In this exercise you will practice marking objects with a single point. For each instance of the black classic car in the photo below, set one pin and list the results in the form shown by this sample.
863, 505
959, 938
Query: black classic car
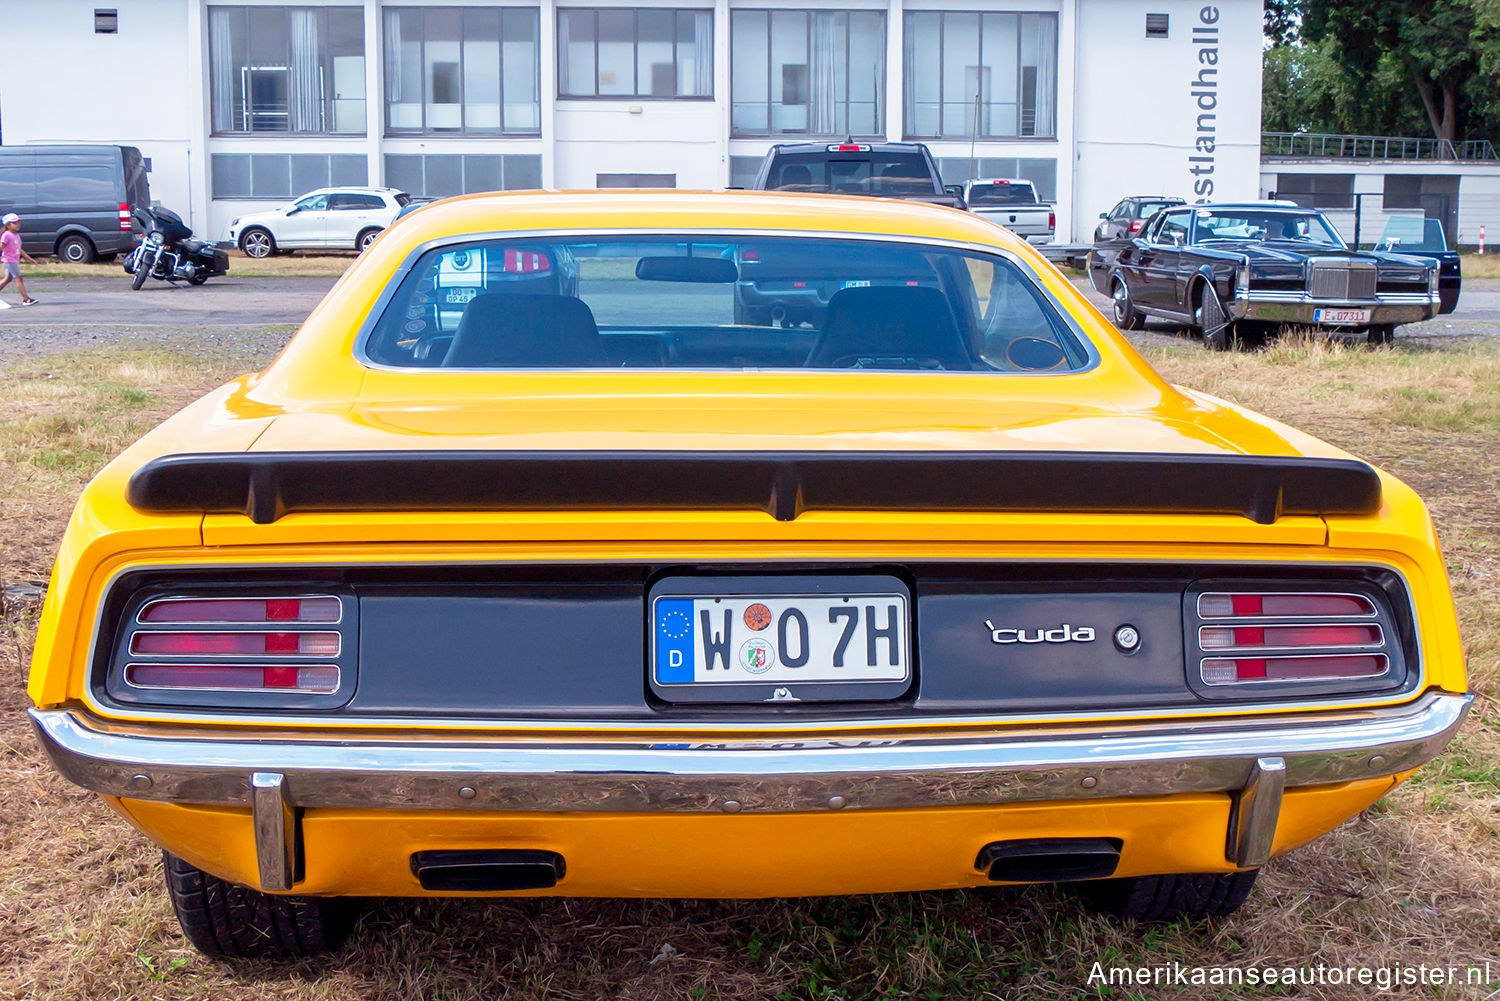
1228, 268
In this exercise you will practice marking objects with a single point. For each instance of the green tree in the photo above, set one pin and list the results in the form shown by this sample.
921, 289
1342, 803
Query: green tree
1440, 46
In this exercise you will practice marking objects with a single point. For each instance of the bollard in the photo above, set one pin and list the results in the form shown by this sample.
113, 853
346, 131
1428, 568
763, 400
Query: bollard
1481, 238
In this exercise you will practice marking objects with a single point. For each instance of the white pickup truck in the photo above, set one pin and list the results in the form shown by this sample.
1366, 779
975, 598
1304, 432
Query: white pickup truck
1012, 203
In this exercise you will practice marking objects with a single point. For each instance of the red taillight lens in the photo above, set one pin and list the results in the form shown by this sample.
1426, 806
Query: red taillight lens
1283, 605
1228, 637
237, 677
231, 644
209, 611
1135, 226
124, 217
1229, 671
1051, 220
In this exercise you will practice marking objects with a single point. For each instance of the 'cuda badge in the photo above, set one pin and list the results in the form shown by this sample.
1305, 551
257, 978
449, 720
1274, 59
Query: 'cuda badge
1064, 633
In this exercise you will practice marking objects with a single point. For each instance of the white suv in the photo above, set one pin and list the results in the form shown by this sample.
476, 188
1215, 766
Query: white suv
337, 218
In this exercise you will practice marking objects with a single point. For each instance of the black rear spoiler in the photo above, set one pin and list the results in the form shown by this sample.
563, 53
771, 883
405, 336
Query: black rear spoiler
267, 485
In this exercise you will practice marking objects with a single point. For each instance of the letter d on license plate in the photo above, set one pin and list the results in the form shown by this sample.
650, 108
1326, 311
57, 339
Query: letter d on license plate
763, 639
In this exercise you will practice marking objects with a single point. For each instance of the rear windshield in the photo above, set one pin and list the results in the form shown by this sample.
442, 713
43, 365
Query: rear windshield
853, 173
736, 302
989, 193
1145, 210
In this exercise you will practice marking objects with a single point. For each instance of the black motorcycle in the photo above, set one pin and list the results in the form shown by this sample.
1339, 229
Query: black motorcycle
169, 253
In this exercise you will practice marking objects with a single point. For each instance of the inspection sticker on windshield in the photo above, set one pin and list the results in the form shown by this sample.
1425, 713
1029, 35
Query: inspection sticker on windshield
1341, 316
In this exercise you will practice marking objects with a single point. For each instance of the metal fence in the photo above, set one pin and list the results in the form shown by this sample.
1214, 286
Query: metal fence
1373, 147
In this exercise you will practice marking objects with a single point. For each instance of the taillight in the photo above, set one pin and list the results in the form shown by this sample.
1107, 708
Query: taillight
124, 217
293, 645
1264, 636
1052, 220
1135, 226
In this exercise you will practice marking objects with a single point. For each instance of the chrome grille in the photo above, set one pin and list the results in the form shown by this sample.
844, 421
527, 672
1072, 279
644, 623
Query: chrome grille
1342, 281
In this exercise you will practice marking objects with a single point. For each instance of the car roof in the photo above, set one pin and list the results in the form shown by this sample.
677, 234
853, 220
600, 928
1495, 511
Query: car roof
500, 212
822, 147
1256, 206
351, 189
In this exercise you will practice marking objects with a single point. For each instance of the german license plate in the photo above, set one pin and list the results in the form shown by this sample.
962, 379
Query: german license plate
1352, 316
752, 638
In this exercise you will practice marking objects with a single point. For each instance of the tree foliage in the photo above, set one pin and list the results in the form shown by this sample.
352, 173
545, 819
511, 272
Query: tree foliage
1383, 67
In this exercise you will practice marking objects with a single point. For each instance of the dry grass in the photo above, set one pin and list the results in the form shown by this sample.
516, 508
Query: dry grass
1481, 265
1415, 879
300, 264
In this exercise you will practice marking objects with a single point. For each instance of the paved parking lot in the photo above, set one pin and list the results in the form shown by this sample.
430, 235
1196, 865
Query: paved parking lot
94, 311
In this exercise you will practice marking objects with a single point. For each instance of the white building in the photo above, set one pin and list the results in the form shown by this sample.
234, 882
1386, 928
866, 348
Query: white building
240, 104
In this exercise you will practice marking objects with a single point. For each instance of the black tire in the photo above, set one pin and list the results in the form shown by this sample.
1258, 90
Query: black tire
76, 248
1218, 331
1381, 335
222, 919
1126, 315
365, 238
1195, 896
257, 242
198, 279
144, 265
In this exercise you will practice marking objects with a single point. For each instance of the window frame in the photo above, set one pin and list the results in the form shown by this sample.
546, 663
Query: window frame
808, 13
463, 129
241, 12
635, 49
908, 74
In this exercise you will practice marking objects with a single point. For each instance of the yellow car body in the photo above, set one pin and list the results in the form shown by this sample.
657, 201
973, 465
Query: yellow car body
745, 803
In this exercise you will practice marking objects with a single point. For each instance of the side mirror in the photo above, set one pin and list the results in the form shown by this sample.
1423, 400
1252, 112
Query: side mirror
1103, 215
293, 209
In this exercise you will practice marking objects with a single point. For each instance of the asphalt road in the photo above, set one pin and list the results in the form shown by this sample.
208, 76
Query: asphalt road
78, 304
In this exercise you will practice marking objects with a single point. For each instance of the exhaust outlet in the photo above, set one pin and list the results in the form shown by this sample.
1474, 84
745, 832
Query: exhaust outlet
1050, 860
488, 869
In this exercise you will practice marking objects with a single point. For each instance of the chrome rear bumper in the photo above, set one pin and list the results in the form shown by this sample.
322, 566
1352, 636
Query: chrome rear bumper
1252, 758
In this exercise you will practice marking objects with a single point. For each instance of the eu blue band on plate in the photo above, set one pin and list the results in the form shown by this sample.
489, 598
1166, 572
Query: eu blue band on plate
674, 641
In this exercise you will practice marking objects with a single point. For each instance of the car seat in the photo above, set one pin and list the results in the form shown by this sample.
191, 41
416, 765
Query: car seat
513, 330
889, 327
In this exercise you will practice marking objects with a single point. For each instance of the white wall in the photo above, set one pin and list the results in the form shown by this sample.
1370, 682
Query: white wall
1478, 193
638, 137
61, 83
1136, 113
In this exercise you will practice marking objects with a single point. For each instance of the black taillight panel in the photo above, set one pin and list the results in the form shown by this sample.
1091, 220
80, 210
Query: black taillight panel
1252, 638
254, 643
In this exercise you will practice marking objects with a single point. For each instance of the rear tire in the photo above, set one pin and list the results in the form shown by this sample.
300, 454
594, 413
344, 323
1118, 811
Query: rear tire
1381, 335
1194, 896
76, 249
1126, 316
222, 919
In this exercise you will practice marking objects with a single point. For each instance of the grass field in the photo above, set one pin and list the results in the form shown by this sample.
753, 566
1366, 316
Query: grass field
1414, 880
300, 264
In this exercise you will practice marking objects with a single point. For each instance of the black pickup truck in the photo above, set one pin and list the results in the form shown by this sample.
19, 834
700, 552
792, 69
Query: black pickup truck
779, 293
881, 170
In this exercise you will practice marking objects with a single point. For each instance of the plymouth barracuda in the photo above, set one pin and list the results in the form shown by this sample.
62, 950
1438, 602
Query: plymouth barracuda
525, 569
1227, 268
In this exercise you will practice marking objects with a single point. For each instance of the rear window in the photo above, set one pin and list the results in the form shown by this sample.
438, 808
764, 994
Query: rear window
1146, 210
736, 302
990, 193
853, 174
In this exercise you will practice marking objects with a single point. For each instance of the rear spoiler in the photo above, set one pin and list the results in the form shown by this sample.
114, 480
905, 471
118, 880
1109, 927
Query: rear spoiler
265, 486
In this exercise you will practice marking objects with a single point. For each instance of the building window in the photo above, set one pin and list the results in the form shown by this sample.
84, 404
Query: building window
438, 175
1317, 191
635, 52
462, 70
807, 73
106, 20
1158, 25
980, 75
287, 69
635, 180
1040, 171
283, 175
743, 170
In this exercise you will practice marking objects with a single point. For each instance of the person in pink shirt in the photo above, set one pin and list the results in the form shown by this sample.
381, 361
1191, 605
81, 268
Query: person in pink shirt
10, 256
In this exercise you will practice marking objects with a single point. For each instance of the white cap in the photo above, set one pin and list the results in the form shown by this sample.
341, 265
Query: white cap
10, 217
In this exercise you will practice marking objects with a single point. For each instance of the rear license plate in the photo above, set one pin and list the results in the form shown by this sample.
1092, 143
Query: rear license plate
780, 638
1341, 316
854, 284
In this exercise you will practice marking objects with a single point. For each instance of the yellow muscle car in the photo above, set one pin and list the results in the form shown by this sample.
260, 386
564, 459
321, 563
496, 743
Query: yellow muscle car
530, 568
